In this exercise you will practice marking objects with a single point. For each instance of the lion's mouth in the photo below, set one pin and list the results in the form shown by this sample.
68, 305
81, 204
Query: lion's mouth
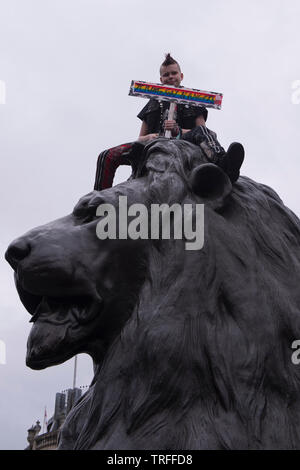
57, 310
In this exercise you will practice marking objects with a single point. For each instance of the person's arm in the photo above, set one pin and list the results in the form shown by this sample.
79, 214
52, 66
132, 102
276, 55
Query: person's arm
200, 121
144, 136
172, 125
144, 129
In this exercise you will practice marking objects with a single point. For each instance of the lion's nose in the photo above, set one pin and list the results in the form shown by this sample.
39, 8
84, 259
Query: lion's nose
17, 251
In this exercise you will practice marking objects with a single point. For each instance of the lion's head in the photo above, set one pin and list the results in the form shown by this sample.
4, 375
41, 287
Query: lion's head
192, 348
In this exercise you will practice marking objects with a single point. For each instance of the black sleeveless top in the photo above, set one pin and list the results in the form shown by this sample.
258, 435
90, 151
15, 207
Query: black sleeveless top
155, 112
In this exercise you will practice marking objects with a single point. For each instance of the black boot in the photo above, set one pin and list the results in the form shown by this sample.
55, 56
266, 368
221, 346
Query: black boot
232, 161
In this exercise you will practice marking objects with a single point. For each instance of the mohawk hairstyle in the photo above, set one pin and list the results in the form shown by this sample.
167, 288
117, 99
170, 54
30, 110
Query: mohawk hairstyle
169, 61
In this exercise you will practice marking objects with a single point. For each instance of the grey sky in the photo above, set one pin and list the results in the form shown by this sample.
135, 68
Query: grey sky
67, 65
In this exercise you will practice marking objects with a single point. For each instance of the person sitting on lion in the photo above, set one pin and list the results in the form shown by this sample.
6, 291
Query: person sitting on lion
189, 124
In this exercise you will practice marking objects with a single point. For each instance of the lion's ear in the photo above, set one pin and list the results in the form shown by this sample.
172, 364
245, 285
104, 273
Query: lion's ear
210, 183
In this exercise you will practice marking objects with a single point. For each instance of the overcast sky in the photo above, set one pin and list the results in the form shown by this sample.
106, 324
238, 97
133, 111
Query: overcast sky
67, 66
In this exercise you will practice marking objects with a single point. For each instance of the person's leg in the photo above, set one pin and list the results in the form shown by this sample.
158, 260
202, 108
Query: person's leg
229, 161
207, 140
107, 164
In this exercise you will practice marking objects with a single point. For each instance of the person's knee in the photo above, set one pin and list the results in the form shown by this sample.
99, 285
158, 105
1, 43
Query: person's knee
195, 135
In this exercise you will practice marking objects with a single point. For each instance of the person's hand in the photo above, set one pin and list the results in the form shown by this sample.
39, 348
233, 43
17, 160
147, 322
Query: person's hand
146, 138
171, 125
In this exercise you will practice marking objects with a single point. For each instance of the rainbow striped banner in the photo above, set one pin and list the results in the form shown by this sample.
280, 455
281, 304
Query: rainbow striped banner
190, 96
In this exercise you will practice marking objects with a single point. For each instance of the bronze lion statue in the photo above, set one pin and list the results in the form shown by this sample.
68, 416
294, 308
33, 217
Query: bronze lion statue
191, 348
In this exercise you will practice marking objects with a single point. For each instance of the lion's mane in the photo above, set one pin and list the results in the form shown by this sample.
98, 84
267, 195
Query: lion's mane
204, 362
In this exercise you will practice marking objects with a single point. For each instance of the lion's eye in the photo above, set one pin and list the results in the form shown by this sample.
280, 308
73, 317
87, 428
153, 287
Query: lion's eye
86, 209
89, 217
84, 212
85, 218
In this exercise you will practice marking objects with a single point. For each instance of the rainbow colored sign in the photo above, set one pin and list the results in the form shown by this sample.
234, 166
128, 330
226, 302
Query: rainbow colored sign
189, 96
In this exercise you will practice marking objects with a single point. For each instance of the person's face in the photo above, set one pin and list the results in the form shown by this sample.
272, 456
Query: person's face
171, 75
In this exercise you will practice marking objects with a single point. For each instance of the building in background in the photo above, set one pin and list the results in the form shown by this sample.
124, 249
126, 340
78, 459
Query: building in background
64, 402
